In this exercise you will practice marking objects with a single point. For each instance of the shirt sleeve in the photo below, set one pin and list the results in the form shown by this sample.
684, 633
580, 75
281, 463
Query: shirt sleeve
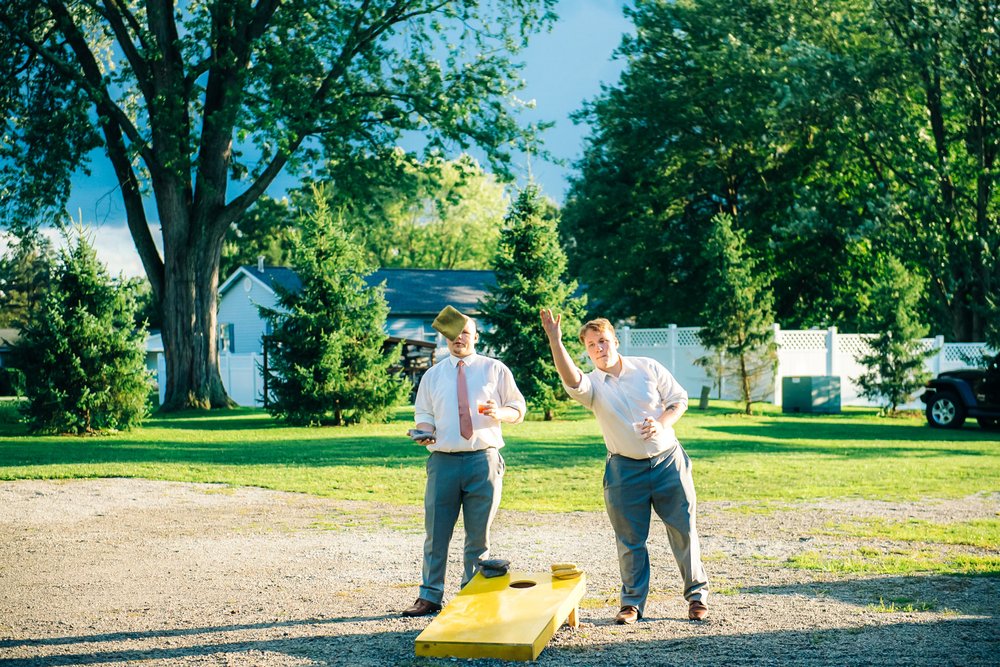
671, 391
510, 395
423, 407
584, 392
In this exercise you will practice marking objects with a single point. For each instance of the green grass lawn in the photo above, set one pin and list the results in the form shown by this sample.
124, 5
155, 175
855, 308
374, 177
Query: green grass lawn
551, 466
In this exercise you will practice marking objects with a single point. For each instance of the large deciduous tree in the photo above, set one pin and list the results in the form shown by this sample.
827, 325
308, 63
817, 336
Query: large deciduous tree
449, 217
873, 121
691, 129
202, 104
931, 127
438, 214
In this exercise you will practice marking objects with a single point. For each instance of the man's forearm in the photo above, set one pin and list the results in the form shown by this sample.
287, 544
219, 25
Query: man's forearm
568, 371
671, 414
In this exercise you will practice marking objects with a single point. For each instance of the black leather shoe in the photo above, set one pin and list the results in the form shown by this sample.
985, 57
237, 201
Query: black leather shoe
422, 607
628, 615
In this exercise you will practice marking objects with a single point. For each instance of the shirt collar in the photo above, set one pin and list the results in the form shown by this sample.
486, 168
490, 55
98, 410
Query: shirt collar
626, 366
469, 360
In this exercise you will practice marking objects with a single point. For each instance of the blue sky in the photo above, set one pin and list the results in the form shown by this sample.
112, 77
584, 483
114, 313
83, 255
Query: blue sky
563, 68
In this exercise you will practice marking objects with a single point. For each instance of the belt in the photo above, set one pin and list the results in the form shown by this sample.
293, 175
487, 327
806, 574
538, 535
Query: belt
465, 452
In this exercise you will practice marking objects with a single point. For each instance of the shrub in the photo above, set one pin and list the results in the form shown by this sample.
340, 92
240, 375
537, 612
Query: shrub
80, 356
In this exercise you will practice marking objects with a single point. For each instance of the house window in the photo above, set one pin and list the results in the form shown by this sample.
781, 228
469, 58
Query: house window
226, 341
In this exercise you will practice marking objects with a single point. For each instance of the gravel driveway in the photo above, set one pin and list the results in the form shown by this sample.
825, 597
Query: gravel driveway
138, 572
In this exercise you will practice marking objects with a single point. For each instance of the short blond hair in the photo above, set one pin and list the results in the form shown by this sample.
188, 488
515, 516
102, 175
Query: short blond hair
600, 324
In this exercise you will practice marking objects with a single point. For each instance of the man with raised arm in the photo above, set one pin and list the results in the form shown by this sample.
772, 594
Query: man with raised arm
637, 401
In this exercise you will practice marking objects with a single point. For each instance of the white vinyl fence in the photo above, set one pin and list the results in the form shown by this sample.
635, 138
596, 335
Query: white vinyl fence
242, 377
800, 353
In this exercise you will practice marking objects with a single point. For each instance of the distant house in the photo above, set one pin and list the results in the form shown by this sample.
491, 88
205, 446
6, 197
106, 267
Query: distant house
415, 297
8, 337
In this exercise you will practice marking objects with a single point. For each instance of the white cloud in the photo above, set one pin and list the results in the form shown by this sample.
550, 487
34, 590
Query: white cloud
113, 243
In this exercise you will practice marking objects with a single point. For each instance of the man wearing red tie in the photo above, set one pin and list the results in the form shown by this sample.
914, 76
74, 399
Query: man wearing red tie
460, 404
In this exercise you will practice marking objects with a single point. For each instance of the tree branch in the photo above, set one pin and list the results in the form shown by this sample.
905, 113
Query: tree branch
117, 15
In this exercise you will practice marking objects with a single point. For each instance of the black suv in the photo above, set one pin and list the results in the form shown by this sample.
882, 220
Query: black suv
970, 392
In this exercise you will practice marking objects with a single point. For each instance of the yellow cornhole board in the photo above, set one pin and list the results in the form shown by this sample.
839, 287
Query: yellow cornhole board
511, 617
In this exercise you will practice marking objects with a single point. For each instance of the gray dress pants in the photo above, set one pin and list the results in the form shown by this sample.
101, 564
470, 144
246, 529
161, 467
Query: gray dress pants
468, 481
664, 484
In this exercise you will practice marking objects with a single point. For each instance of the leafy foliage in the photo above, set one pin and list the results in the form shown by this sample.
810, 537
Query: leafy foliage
738, 310
439, 214
267, 230
530, 270
327, 347
895, 357
447, 217
864, 124
81, 359
202, 105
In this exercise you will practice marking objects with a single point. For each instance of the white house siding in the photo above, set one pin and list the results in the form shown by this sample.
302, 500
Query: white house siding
238, 307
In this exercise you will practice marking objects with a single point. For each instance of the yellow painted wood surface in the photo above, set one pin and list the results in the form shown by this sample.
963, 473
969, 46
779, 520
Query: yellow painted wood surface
491, 618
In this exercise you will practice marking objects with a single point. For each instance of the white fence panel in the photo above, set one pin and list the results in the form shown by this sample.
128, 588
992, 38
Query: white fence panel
241, 376
800, 353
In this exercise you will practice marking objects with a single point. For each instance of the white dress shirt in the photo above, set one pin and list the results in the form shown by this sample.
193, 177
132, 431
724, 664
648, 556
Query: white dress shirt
437, 402
644, 388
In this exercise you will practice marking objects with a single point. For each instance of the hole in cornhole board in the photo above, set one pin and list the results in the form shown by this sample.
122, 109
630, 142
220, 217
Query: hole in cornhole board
522, 584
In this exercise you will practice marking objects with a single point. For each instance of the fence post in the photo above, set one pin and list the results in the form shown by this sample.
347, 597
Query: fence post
626, 340
229, 370
939, 357
161, 376
831, 351
672, 341
254, 374
777, 365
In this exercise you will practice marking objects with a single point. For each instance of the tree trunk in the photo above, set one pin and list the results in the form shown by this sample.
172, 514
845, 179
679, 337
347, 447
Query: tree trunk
745, 380
190, 330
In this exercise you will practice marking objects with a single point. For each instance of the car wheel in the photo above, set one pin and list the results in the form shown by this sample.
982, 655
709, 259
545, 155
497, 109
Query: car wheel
989, 423
945, 411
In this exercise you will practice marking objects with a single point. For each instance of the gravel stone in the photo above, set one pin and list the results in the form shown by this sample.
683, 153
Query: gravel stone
140, 572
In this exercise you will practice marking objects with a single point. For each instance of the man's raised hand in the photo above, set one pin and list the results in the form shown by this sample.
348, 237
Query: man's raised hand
550, 323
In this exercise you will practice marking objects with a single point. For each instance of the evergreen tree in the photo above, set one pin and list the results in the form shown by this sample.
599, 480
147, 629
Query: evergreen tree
24, 277
530, 271
327, 359
895, 357
738, 309
80, 357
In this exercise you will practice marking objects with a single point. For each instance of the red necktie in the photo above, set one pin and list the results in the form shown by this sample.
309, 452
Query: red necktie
464, 416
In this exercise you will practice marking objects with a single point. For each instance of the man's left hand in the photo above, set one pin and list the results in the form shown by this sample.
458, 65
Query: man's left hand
489, 409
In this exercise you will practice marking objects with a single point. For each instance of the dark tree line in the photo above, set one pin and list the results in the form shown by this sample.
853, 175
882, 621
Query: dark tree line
837, 136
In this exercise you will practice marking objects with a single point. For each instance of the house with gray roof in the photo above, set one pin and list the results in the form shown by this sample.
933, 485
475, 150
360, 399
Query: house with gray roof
415, 297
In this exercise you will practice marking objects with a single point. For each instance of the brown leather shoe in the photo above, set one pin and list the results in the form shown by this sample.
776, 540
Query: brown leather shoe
422, 607
627, 615
697, 610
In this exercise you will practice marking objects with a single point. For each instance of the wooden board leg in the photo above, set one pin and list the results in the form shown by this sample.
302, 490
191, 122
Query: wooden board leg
573, 621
